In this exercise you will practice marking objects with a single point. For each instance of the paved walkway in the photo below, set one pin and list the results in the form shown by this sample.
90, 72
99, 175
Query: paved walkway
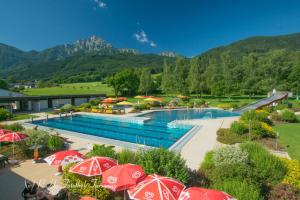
205, 140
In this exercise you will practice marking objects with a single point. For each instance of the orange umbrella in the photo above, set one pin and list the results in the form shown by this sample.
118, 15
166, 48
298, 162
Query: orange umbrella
122, 99
108, 101
87, 198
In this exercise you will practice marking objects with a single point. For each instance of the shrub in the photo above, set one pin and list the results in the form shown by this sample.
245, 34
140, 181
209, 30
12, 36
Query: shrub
239, 127
284, 192
164, 163
84, 186
234, 105
256, 115
267, 166
225, 106
270, 132
85, 105
55, 142
261, 129
67, 108
127, 156
293, 174
95, 102
5, 114
199, 102
102, 150
225, 136
230, 155
14, 127
208, 162
281, 106
275, 116
140, 106
37, 137
239, 189
288, 116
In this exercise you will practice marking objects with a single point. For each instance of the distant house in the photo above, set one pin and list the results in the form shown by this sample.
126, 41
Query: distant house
24, 85
19, 102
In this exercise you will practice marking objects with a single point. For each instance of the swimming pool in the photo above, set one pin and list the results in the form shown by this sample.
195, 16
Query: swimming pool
153, 132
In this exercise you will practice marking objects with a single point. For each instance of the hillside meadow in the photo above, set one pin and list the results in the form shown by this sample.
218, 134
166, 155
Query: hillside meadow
72, 88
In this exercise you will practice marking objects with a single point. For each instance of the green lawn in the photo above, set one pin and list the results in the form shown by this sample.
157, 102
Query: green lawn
290, 137
73, 88
23, 116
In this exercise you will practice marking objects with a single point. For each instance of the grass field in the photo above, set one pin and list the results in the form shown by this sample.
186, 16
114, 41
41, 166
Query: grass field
289, 135
23, 116
73, 88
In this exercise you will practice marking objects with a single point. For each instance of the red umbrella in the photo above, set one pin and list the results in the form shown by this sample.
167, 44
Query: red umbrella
4, 131
122, 99
122, 177
155, 187
61, 158
94, 166
13, 137
108, 101
64, 157
196, 193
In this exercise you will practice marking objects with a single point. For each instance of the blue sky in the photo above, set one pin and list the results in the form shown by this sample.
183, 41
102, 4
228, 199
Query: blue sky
187, 27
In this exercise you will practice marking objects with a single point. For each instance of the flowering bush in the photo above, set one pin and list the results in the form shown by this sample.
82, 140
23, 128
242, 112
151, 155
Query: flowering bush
293, 174
230, 155
261, 129
256, 115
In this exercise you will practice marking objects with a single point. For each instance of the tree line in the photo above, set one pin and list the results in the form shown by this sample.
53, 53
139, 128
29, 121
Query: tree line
226, 74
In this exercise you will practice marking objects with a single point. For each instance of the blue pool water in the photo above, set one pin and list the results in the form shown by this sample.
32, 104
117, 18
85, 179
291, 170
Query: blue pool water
154, 132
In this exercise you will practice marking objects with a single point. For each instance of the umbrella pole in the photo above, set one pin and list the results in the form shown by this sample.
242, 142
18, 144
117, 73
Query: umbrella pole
13, 147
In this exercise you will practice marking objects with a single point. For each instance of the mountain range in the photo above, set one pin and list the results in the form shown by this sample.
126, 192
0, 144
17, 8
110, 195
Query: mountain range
94, 58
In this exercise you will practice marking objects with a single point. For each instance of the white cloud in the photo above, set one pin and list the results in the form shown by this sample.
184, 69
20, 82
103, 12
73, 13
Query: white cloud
152, 44
100, 4
142, 37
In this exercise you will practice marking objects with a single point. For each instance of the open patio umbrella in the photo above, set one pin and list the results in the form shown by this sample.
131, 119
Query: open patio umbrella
196, 193
122, 99
94, 166
4, 131
62, 158
139, 97
108, 101
88, 198
13, 137
153, 99
122, 177
155, 187
125, 103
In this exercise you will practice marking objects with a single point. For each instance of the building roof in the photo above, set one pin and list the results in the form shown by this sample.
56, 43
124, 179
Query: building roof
7, 93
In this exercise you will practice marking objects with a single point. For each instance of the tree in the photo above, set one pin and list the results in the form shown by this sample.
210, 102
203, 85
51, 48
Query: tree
167, 82
146, 82
181, 73
125, 82
3, 84
194, 78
